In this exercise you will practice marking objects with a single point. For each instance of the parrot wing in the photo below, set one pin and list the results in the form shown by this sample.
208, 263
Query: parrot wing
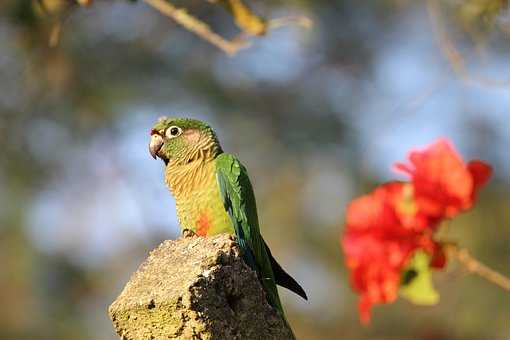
239, 201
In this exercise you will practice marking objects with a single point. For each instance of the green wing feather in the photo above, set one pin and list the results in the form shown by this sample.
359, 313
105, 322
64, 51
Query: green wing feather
239, 201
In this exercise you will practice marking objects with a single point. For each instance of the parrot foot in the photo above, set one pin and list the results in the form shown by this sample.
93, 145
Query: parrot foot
187, 233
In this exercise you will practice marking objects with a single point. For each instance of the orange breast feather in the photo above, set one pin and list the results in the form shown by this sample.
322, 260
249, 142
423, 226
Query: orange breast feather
203, 224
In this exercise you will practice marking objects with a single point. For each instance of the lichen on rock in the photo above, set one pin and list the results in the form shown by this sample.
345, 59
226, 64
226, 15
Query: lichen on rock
196, 288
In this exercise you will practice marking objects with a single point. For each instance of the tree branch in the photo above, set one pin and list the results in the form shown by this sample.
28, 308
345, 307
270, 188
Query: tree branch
476, 267
452, 53
182, 17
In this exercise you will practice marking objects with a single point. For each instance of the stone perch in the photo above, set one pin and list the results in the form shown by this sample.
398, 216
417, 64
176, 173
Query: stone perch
195, 288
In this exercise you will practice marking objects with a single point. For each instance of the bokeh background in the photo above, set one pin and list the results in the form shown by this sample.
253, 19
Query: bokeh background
317, 115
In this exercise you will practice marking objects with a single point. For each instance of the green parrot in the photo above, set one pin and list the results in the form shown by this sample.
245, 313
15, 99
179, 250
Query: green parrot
213, 195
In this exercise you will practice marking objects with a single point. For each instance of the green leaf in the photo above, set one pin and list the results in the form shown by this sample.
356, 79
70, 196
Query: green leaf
416, 284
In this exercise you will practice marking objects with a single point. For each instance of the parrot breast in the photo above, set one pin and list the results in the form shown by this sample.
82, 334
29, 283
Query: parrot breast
198, 199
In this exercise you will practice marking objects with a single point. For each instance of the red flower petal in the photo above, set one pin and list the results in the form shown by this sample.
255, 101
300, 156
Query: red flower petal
378, 244
443, 184
480, 171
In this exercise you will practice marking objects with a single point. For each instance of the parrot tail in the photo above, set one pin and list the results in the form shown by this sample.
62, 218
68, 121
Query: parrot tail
282, 278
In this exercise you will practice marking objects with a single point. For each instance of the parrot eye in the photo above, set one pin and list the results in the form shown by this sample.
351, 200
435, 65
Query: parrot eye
173, 131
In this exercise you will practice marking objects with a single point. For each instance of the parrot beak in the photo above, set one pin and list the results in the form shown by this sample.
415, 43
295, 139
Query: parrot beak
155, 145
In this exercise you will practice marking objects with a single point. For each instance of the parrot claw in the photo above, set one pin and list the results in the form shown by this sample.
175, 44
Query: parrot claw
187, 233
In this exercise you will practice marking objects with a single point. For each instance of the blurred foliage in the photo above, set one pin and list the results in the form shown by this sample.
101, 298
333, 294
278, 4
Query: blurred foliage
480, 13
317, 116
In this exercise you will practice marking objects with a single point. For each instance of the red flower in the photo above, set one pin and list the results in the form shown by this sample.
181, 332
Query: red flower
443, 184
377, 245
386, 227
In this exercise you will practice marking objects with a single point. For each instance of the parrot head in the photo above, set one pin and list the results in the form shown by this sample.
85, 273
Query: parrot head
182, 140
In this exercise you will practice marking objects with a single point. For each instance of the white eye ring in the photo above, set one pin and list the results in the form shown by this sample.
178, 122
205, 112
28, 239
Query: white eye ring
173, 131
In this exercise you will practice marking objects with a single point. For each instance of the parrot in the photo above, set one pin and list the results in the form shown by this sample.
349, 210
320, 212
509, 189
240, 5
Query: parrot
213, 195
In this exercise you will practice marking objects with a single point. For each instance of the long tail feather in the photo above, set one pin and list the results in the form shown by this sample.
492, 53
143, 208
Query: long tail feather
282, 278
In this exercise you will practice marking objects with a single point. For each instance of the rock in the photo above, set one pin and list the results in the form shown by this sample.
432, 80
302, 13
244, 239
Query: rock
196, 288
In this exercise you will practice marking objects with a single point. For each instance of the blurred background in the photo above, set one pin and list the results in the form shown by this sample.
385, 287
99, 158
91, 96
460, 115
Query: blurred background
317, 115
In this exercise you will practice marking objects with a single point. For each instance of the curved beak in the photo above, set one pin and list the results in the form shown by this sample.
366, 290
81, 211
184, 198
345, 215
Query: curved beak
155, 145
